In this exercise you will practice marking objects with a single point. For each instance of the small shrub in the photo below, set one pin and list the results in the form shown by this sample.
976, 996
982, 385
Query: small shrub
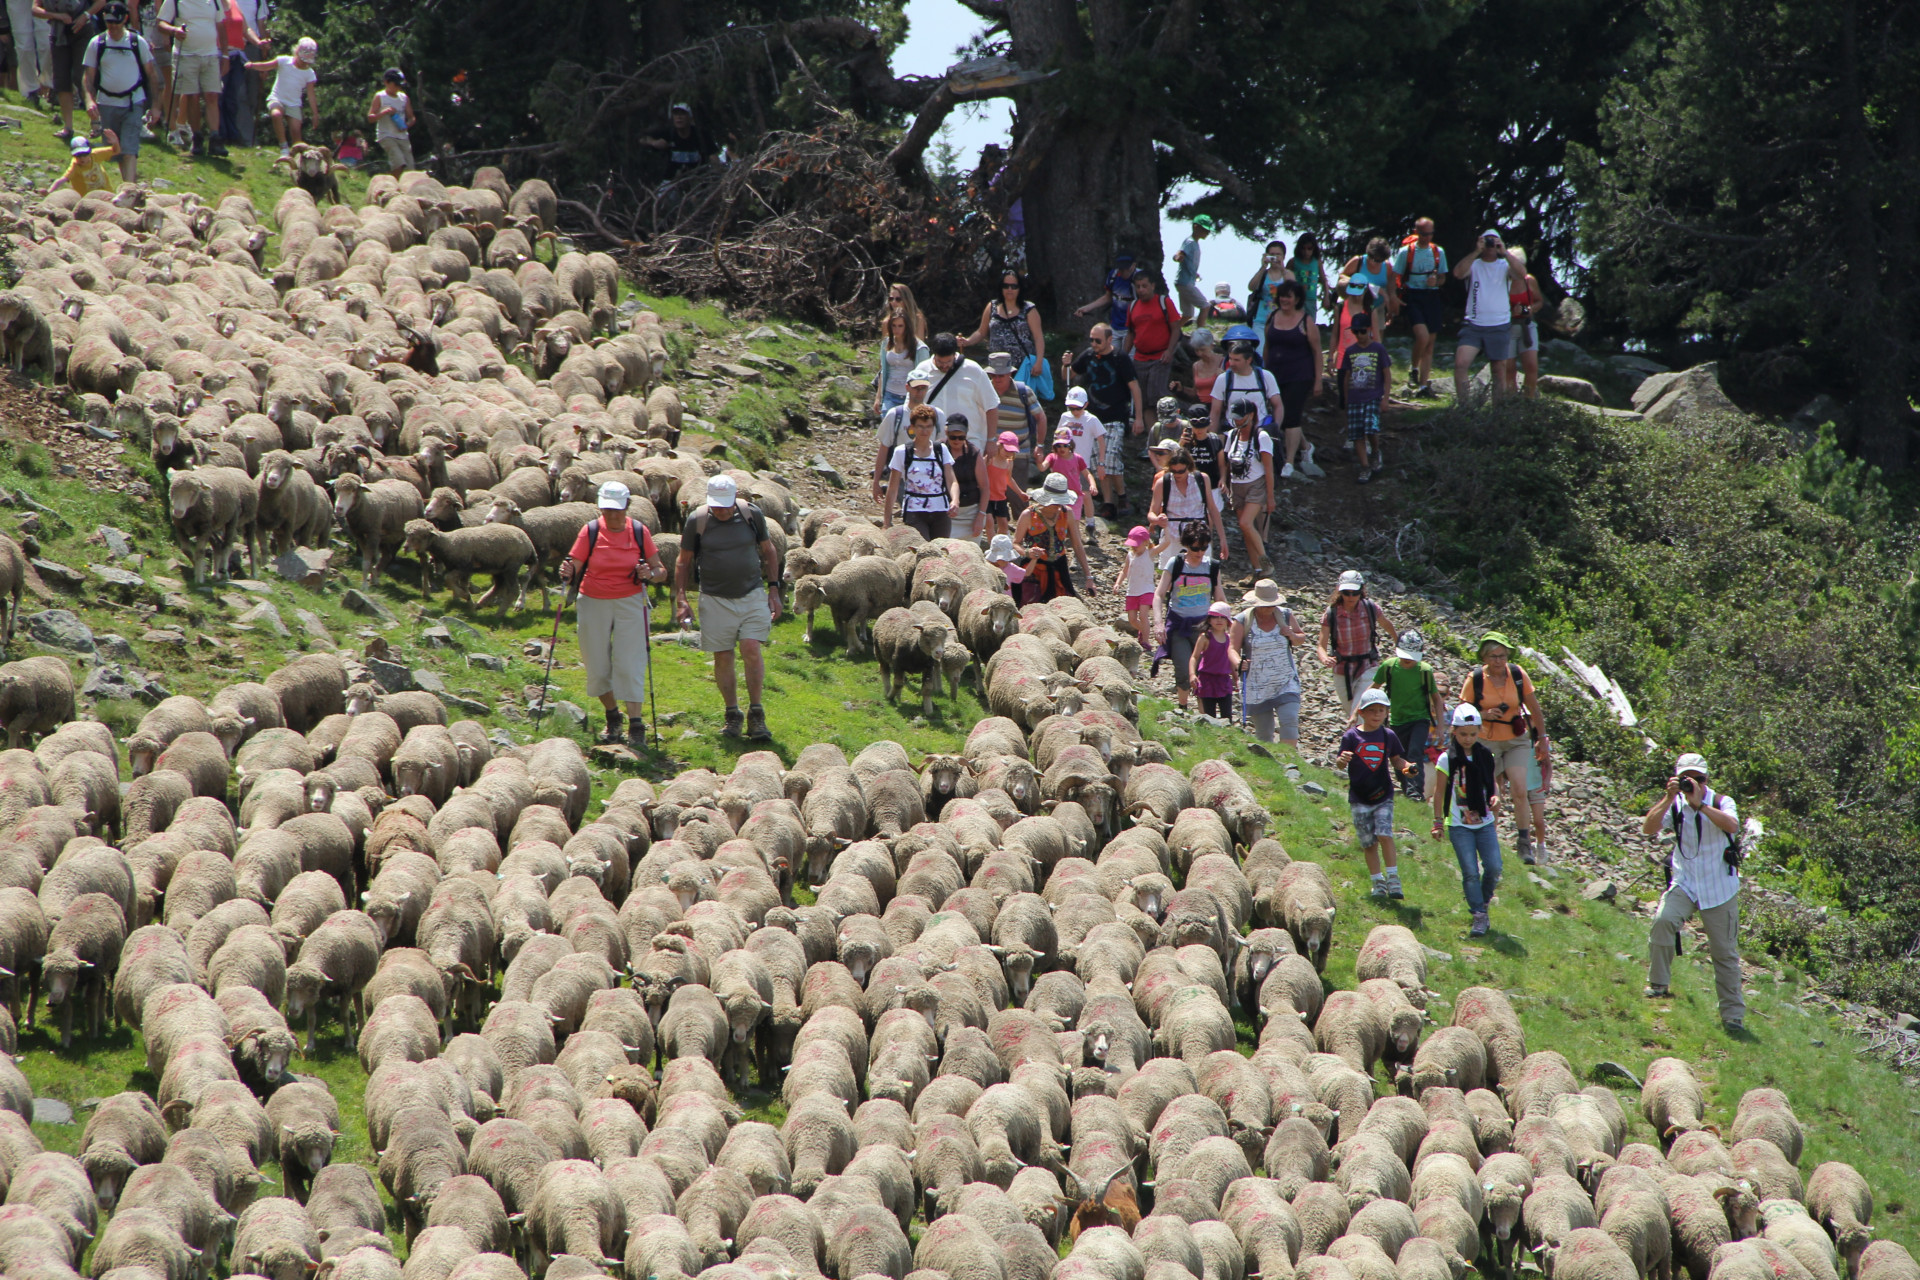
32, 460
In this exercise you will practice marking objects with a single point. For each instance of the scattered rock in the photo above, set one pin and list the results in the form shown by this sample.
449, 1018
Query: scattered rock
50, 1111
763, 334
437, 638
1567, 388
1177, 734
1636, 364
1600, 891
738, 372
489, 661
167, 637
118, 577
60, 629
304, 565
1542, 915
536, 649
572, 713
58, 574
264, 615
1695, 391
472, 706
112, 646
391, 676
316, 629
461, 627
254, 585
1303, 542
357, 601
429, 682
1313, 788
1904, 1021
116, 541
109, 682
849, 386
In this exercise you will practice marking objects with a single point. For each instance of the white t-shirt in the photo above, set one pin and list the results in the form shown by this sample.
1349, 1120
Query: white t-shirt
1087, 431
1251, 448
291, 80
893, 426
923, 485
394, 125
201, 18
1256, 385
1487, 305
1142, 577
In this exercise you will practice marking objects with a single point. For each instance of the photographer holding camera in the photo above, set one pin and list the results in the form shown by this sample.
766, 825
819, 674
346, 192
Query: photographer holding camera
1703, 875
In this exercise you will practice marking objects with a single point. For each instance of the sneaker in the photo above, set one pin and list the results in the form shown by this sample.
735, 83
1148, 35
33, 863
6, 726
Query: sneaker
736, 723
1651, 992
1374, 474
1480, 925
286, 152
757, 730
1363, 476
1286, 470
147, 134
1394, 891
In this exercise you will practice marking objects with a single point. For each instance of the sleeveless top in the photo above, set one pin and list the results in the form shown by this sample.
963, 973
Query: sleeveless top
968, 477
1367, 277
1051, 531
1186, 506
1487, 302
1010, 333
1289, 356
1271, 670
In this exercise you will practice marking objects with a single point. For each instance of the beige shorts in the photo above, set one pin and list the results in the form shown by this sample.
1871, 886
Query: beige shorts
1251, 496
725, 622
399, 152
196, 73
291, 110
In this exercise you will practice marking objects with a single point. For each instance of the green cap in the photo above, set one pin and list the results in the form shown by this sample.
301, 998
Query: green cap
1204, 222
1496, 637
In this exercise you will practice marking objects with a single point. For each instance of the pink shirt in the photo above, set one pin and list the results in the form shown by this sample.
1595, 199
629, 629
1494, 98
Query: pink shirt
1073, 466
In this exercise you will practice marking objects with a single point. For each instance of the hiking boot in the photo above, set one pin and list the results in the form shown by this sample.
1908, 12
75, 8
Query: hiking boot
636, 737
1524, 843
199, 145
615, 723
33, 100
736, 723
757, 730
217, 148
1651, 992
1733, 1028
1480, 925
1395, 892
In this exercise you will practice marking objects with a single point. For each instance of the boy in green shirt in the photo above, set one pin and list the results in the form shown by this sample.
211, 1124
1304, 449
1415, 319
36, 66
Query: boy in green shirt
1414, 706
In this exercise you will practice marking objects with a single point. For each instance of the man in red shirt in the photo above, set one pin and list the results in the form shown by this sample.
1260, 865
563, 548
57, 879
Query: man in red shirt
1153, 331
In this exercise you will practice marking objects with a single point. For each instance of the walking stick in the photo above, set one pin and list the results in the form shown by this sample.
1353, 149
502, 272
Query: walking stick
653, 699
1243, 699
553, 642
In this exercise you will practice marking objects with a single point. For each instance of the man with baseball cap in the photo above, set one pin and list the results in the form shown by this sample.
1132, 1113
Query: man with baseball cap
1492, 274
739, 594
120, 69
613, 559
1703, 875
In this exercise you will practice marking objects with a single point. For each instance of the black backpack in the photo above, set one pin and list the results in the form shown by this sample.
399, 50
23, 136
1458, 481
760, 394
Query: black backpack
142, 54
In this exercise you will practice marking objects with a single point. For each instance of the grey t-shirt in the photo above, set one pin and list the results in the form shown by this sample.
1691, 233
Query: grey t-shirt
727, 555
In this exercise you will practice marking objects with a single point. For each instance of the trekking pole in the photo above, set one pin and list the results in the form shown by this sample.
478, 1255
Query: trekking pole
553, 642
653, 699
1243, 699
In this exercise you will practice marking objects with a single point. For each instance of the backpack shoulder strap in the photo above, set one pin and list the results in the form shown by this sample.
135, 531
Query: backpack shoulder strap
1479, 686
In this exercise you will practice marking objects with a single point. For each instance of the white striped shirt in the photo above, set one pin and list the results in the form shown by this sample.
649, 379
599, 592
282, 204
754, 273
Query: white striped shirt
1699, 870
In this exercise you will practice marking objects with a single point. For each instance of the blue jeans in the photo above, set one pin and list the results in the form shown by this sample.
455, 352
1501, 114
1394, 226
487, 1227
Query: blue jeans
1479, 875
888, 400
1413, 741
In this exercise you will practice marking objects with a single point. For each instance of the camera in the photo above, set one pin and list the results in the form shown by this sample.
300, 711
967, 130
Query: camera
1688, 785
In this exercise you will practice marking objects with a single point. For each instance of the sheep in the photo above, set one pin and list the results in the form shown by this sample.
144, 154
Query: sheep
336, 961
500, 550
1556, 1206
376, 517
1840, 1200
310, 688
1306, 907
240, 711
905, 642
290, 509
1760, 1163
124, 1132
1885, 1260
1766, 1114
212, 508
1633, 1210
1587, 1253
305, 1121
83, 951
423, 1154
1218, 786
1671, 1099
1352, 1027
856, 591
36, 698
1391, 951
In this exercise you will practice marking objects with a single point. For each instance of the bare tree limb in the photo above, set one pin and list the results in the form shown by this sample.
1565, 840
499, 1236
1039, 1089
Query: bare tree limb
593, 218
992, 10
905, 156
1192, 148
1176, 29
1035, 141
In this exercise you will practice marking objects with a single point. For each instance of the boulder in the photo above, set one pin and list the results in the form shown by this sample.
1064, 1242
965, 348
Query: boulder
60, 629
1577, 389
1651, 389
1696, 391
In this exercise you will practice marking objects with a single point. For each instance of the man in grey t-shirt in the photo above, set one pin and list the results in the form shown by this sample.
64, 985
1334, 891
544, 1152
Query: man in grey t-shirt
739, 594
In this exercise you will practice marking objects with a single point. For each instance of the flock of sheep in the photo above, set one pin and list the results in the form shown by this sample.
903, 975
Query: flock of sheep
359, 386
1006, 1014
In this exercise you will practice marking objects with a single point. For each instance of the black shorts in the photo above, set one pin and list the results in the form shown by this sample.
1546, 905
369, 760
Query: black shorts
1423, 308
69, 65
998, 508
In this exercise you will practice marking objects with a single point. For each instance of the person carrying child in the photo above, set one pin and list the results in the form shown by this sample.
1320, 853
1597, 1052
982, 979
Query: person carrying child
1371, 754
1467, 802
1212, 662
1135, 582
1364, 370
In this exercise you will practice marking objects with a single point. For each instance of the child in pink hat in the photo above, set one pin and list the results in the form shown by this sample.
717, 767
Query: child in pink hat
1212, 664
1000, 455
1136, 581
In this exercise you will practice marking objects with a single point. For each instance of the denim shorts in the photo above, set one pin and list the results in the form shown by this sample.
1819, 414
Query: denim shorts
1372, 822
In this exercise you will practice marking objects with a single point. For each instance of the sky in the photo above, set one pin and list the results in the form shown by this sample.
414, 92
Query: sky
937, 29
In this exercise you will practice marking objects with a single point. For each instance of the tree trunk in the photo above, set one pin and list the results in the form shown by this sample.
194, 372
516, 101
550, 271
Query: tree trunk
1096, 192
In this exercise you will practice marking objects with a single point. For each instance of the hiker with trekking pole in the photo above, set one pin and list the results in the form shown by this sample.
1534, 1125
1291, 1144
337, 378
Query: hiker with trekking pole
613, 559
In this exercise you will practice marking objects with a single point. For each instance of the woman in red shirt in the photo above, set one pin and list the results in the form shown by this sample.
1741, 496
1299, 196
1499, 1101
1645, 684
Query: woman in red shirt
607, 560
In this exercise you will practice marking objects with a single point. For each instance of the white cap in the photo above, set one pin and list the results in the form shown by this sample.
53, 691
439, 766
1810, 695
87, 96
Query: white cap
1374, 698
1001, 548
1352, 581
721, 491
1077, 396
1466, 713
614, 496
1692, 762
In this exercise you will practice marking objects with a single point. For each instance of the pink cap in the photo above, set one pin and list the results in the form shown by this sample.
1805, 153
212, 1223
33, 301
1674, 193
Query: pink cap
1137, 536
1008, 440
1220, 609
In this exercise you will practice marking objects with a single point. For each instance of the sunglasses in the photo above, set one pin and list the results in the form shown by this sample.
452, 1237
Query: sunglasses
1179, 471
1009, 284
1349, 593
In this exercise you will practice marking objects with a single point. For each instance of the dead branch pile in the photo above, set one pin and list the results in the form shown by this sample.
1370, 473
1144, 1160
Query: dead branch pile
814, 225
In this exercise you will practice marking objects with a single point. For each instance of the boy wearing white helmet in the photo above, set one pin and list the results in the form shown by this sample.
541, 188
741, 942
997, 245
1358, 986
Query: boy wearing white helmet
1467, 802
293, 80
1371, 754
1703, 875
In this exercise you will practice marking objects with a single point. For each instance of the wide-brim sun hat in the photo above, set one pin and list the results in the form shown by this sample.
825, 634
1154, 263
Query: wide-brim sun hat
1001, 548
1265, 595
